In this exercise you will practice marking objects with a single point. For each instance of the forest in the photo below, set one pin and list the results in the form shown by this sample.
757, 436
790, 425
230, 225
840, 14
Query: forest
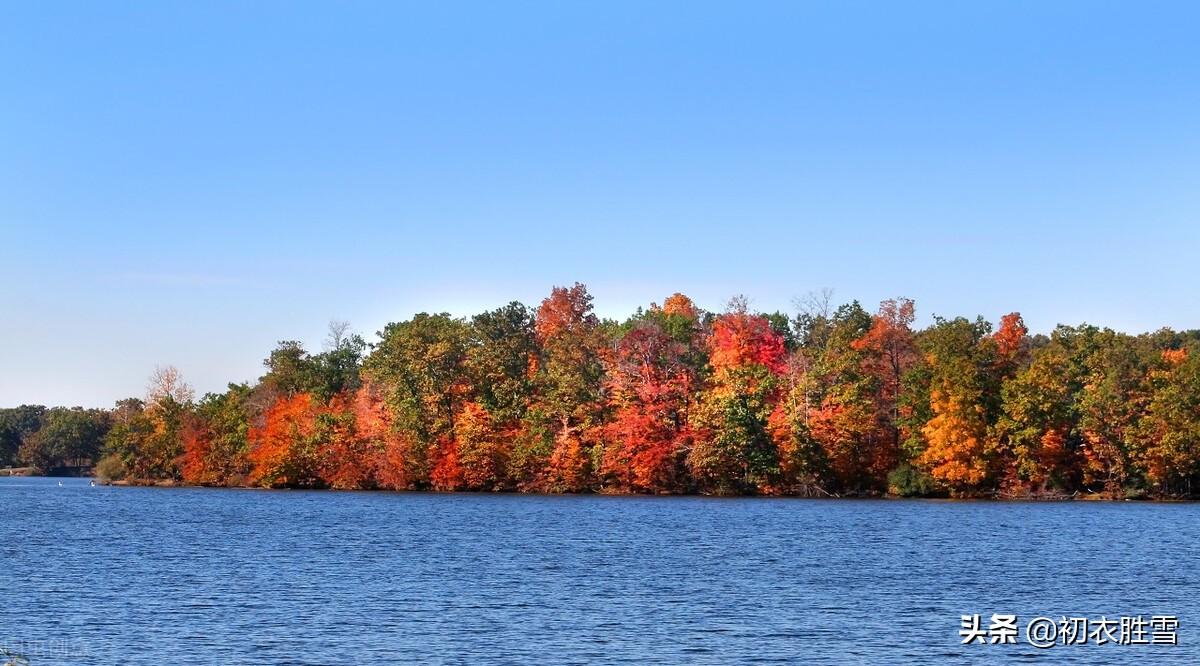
829, 402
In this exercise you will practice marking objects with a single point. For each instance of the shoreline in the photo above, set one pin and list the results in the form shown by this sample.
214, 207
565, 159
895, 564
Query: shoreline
1076, 497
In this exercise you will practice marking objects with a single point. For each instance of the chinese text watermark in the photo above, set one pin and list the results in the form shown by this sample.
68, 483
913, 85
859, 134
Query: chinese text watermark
1047, 632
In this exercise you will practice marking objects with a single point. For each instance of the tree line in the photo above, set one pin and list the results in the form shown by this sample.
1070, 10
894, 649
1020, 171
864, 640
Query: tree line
829, 402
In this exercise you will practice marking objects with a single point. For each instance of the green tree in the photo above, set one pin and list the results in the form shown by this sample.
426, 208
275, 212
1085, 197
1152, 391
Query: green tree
68, 437
1114, 395
500, 359
419, 366
16, 424
1170, 429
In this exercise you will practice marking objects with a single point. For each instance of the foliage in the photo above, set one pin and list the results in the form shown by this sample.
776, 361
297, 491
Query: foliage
67, 437
674, 399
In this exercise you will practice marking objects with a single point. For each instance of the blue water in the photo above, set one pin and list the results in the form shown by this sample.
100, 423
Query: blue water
180, 576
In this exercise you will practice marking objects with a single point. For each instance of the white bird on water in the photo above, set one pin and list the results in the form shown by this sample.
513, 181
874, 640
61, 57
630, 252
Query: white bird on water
60, 484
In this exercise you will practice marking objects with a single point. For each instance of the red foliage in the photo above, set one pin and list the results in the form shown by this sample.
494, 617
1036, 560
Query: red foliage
446, 474
389, 453
648, 383
347, 461
1010, 335
197, 447
889, 340
279, 450
564, 311
569, 468
740, 339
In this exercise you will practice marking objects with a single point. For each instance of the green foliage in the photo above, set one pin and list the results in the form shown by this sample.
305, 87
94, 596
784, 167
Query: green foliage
16, 424
783, 327
68, 437
420, 367
498, 360
337, 368
226, 416
146, 438
109, 468
292, 370
908, 481
737, 454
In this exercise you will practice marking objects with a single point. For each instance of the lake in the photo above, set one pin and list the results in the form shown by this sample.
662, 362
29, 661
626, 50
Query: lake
100, 575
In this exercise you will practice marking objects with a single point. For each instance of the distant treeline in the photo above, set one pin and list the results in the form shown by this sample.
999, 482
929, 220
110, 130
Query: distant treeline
830, 402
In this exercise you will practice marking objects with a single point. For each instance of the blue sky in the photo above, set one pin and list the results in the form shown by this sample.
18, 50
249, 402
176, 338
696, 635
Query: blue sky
188, 183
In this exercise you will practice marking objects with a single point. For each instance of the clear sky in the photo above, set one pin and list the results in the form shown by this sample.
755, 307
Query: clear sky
188, 183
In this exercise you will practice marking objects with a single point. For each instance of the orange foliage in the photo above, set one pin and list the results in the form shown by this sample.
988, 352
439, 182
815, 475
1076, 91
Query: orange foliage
446, 474
1052, 455
956, 450
848, 432
678, 304
197, 447
890, 331
569, 465
740, 339
564, 311
889, 352
646, 451
279, 450
482, 451
1010, 335
390, 453
347, 461
1105, 461
1175, 357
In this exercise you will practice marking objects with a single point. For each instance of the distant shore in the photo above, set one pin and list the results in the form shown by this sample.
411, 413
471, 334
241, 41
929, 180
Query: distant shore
17, 471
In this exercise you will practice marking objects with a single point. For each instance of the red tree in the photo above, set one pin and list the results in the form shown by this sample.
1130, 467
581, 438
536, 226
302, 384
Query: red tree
648, 383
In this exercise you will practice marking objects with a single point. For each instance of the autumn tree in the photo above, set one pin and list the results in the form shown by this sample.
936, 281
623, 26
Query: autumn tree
346, 459
1039, 424
502, 359
959, 450
336, 370
839, 399
733, 450
569, 405
888, 352
672, 399
167, 384
397, 461
419, 368
292, 369
146, 439
649, 383
285, 450
1169, 432
214, 438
